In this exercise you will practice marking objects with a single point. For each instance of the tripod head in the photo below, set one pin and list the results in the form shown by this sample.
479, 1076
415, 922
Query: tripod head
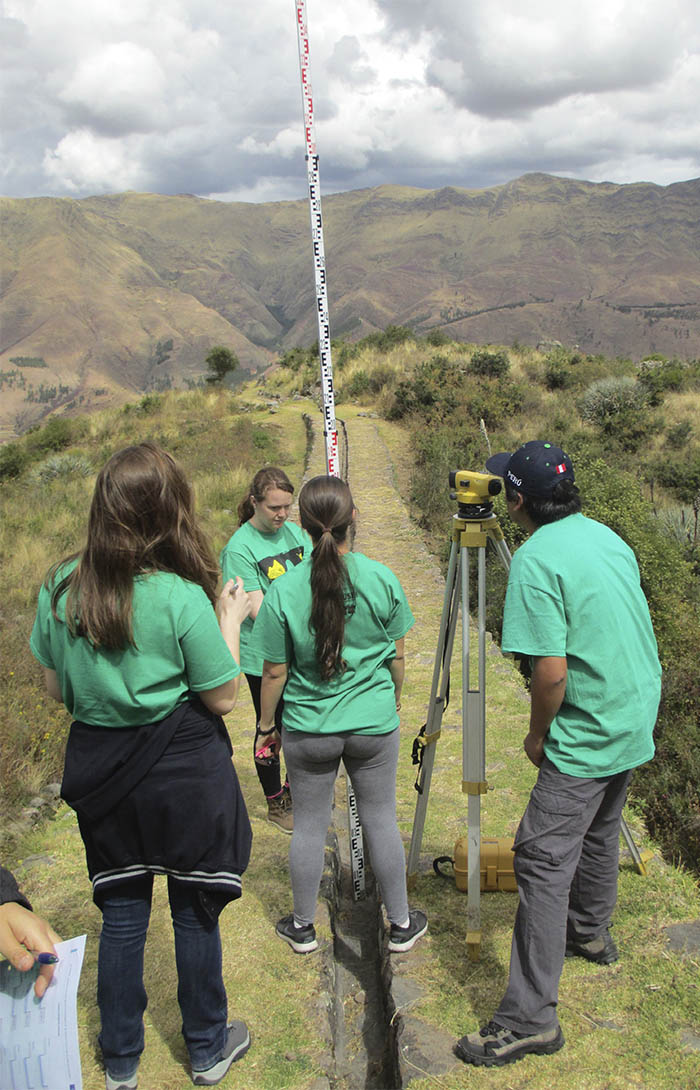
474, 493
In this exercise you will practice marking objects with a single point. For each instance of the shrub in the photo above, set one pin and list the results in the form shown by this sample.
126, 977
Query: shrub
657, 376
392, 336
436, 338
556, 375
57, 434
62, 465
432, 389
13, 459
679, 434
680, 475
358, 385
489, 364
618, 406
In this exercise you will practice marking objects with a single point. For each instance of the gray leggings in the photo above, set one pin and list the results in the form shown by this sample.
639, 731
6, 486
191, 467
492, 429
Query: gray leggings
312, 765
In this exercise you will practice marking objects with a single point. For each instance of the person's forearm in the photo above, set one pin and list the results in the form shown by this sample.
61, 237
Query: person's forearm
274, 678
397, 671
547, 689
231, 631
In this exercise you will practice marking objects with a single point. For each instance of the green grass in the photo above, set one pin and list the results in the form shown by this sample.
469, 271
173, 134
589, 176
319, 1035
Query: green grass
623, 1023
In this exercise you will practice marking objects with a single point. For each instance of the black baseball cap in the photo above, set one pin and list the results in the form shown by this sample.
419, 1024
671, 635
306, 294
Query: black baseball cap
533, 469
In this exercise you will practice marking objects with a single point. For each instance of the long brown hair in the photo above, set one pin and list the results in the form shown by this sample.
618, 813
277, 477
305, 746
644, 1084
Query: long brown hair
325, 511
269, 477
141, 520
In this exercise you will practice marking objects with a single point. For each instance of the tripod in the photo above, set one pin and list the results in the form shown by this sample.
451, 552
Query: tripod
473, 525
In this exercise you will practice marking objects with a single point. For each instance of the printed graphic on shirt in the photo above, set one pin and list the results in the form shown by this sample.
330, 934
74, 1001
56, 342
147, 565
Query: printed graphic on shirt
349, 599
274, 566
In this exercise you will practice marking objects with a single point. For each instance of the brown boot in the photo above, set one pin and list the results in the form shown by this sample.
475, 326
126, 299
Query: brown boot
279, 811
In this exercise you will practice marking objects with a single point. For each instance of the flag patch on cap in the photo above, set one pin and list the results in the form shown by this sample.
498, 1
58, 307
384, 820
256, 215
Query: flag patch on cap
561, 468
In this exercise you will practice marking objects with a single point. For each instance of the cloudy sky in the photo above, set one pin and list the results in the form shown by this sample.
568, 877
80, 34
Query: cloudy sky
202, 96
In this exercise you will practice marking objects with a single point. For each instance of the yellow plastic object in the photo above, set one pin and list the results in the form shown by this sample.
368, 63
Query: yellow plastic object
496, 865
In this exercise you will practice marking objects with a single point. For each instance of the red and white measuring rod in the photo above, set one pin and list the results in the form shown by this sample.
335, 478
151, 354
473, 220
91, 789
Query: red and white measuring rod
324, 331
330, 431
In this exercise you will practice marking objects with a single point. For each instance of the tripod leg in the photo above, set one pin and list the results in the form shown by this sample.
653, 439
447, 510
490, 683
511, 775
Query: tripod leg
436, 708
633, 849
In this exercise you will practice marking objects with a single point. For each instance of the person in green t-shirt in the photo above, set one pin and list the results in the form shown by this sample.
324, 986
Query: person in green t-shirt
331, 634
265, 546
136, 644
575, 606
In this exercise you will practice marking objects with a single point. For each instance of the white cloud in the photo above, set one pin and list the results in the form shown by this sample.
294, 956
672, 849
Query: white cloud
177, 96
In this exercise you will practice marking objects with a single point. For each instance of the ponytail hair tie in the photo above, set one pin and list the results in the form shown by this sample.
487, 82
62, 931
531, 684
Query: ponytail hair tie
327, 530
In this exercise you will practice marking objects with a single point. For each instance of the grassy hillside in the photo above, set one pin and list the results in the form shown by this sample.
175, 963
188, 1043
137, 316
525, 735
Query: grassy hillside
127, 293
632, 1026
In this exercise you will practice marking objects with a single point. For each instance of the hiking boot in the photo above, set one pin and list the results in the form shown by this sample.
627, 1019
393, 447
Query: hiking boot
301, 939
404, 938
122, 1084
601, 950
279, 811
494, 1046
237, 1044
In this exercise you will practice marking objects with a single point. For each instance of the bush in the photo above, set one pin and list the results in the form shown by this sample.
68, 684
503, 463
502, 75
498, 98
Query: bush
359, 385
680, 475
62, 465
433, 389
618, 406
13, 459
489, 364
56, 435
556, 375
657, 376
679, 434
392, 336
437, 338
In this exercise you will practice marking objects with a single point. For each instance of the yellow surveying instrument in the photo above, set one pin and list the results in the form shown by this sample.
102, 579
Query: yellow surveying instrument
472, 526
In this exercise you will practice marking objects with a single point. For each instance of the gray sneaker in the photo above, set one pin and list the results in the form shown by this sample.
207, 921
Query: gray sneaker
494, 1045
405, 938
301, 939
237, 1044
130, 1083
601, 950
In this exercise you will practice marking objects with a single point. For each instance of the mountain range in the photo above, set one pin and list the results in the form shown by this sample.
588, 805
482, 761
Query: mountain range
111, 295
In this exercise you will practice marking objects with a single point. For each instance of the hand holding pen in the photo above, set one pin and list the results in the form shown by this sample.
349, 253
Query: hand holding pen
25, 939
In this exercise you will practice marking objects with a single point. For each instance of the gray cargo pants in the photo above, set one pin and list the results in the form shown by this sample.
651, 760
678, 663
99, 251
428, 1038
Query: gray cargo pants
566, 858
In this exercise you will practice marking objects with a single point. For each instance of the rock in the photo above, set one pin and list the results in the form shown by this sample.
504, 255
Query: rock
684, 938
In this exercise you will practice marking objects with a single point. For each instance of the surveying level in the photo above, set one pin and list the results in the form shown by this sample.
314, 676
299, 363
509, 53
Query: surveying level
472, 526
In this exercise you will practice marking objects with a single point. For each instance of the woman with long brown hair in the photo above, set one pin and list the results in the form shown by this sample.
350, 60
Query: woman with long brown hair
264, 547
332, 631
128, 636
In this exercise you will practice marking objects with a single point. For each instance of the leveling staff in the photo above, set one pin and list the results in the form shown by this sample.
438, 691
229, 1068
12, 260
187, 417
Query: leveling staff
575, 605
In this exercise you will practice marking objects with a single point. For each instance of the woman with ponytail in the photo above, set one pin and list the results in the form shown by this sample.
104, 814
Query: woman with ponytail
332, 631
264, 547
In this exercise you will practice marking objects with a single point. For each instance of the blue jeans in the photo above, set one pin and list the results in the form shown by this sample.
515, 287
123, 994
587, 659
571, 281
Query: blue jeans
121, 995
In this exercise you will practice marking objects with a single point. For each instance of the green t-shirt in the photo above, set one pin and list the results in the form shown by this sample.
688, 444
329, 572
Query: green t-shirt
178, 648
259, 559
376, 615
574, 592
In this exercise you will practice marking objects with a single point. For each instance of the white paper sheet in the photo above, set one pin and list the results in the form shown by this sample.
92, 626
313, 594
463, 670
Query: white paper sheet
39, 1037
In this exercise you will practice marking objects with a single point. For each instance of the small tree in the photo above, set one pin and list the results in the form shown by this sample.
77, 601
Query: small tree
221, 362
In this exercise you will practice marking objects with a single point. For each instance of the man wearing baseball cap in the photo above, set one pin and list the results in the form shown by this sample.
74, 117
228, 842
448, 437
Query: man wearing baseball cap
575, 606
